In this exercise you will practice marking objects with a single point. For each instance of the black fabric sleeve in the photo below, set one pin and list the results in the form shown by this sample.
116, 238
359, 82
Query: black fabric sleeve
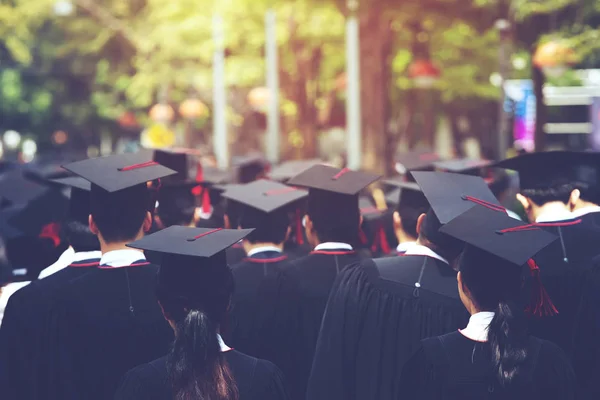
554, 375
271, 381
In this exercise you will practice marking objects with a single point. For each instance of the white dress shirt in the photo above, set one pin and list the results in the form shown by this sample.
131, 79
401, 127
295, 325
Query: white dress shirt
263, 249
403, 247
420, 250
121, 258
477, 328
554, 216
222, 344
333, 246
6, 292
65, 259
76, 257
584, 211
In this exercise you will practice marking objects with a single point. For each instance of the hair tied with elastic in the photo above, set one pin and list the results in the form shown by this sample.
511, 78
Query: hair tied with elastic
541, 305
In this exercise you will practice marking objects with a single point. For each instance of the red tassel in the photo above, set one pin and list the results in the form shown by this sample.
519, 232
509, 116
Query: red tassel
137, 166
205, 201
380, 242
362, 236
196, 191
51, 231
299, 235
541, 304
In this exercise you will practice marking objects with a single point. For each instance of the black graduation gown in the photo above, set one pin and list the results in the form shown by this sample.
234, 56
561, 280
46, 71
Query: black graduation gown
235, 254
565, 282
253, 325
308, 282
256, 380
105, 323
374, 321
23, 359
455, 367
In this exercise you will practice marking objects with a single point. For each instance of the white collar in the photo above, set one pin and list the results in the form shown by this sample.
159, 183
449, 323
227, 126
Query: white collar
554, 216
263, 249
584, 211
420, 250
206, 215
333, 246
86, 255
121, 257
222, 344
513, 215
7, 291
63, 261
404, 246
477, 329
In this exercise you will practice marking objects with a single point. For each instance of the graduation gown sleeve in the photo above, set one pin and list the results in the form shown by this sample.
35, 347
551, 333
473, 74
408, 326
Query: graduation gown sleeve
270, 382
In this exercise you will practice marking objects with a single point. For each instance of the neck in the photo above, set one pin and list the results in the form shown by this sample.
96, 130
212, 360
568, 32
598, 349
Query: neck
553, 207
248, 247
106, 247
404, 237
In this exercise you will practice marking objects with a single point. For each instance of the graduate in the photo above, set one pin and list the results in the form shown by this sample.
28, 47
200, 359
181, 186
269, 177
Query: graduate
257, 318
409, 203
107, 321
21, 336
194, 291
332, 223
380, 309
493, 356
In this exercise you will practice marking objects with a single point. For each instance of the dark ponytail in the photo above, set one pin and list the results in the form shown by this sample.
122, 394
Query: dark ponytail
196, 300
494, 286
196, 365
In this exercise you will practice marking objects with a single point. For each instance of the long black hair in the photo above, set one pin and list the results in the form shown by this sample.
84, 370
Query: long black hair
196, 299
495, 286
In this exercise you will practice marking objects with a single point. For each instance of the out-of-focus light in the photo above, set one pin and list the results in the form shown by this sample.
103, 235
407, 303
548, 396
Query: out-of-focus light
1, 150
60, 137
259, 98
93, 151
12, 139
28, 150
63, 8
519, 63
496, 79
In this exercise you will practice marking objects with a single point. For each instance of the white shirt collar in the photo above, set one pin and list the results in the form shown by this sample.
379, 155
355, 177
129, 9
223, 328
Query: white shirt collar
477, 329
554, 216
420, 250
262, 249
403, 247
5, 293
584, 211
222, 344
63, 261
206, 215
86, 255
333, 246
121, 258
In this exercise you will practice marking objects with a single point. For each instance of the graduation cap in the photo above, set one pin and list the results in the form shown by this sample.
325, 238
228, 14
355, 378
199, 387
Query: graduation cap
198, 243
368, 210
250, 168
118, 172
265, 196
543, 170
16, 189
493, 238
175, 160
79, 201
406, 194
289, 169
452, 194
466, 166
415, 161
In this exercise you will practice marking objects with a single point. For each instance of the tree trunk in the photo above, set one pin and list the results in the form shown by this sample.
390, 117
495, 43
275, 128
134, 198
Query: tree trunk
540, 109
375, 50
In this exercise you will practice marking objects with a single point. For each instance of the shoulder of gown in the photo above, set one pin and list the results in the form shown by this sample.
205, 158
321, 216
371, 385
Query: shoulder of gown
146, 381
257, 379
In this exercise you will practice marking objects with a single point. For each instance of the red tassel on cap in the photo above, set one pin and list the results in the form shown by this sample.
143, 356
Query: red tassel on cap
362, 236
51, 231
199, 190
137, 166
541, 304
299, 235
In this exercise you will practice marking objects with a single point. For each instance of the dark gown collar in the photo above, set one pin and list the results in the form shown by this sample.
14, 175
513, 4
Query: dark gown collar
268, 256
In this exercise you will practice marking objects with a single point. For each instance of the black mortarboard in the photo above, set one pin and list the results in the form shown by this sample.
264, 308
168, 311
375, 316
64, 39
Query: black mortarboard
368, 210
117, 172
189, 242
542, 170
177, 161
452, 194
289, 169
46, 209
415, 161
250, 168
16, 189
213, 176
408, 194
263, 195
498, 235
79, 201
334, 180
74, 182
466, 166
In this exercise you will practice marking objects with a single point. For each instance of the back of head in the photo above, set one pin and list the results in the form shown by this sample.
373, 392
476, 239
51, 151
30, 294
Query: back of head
32, 253
335, 217
542, 195
75, 227
443, 244
120, 215
195, 296
268, 228
494, 285
176, 206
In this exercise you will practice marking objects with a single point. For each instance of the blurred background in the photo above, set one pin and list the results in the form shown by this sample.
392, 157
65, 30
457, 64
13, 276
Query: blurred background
352, 81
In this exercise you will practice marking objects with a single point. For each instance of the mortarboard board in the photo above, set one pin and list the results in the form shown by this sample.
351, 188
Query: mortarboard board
415, 161
452, 194
498, 234
463, 166
79, 201
334, 180
74, 182
289, 169
16, 189
263, 195
175, 160
189, 242
542, 170
368, 210
118, 172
